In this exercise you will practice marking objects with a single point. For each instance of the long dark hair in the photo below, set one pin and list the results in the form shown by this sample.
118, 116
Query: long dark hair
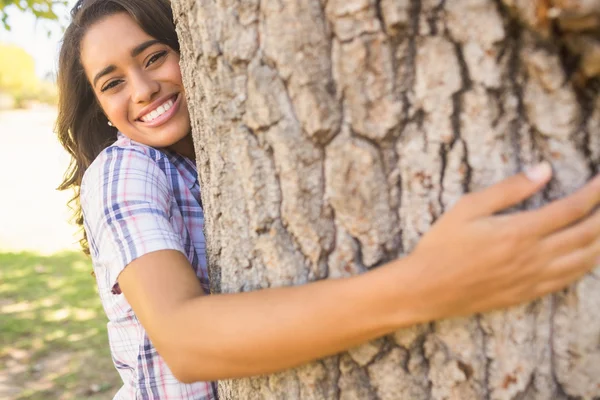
82, 127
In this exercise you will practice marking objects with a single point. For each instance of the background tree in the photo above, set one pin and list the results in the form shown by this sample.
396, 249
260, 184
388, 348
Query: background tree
331, 134
43, 9
19, 81
17, 71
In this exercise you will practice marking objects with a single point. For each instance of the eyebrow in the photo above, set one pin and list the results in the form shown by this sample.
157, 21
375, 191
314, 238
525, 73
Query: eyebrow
141, 47
137, 50
105, 71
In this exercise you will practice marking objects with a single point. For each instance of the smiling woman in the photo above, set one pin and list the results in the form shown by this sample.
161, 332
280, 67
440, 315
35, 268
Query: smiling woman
138, 83
117, 103
82, 123
125, 121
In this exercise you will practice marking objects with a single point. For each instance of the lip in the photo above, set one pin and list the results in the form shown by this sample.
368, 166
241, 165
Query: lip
165, 116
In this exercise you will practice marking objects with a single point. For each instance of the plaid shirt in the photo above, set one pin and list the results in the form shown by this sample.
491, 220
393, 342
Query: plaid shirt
137, 200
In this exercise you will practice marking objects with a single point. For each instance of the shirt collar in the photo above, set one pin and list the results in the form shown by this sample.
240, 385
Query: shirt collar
185, 166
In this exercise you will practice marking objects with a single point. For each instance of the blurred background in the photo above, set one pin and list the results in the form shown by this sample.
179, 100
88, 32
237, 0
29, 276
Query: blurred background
53, 342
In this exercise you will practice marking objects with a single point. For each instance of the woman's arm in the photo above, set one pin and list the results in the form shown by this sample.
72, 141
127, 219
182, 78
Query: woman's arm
233, 335
471, 261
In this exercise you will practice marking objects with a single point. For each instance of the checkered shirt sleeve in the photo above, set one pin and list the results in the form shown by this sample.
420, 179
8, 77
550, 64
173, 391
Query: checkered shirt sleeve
127, 206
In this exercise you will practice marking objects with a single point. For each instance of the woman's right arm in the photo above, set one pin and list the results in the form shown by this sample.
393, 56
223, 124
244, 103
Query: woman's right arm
471, 261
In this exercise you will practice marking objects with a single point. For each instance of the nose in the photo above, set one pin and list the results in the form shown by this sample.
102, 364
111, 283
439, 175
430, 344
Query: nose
144, 87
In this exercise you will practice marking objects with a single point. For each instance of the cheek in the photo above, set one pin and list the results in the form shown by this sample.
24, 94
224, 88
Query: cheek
174, 72
114, 108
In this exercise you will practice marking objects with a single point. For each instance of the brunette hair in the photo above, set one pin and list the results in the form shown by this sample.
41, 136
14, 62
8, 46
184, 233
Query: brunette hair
82, 126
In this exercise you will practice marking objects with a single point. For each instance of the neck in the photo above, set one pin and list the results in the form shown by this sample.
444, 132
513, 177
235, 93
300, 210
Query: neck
185, 147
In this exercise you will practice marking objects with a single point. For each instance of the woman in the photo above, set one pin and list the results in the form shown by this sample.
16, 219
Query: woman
124, 119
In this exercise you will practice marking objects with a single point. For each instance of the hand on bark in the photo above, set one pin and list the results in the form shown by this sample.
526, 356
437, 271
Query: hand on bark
474, 260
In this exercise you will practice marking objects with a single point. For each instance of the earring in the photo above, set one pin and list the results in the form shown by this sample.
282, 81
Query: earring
110, 123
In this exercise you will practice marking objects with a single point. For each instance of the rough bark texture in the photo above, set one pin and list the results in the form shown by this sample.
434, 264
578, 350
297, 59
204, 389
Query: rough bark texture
331, 134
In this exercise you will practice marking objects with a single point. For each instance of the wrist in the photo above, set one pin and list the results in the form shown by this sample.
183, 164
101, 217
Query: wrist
412, 293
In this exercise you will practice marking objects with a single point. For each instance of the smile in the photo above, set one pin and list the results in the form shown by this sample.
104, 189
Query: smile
158, 111
161, 113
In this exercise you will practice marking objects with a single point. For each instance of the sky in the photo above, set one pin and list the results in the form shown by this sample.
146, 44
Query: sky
39, 38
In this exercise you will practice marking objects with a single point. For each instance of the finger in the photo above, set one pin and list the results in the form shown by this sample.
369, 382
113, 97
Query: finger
507, 193
577, 236
555, 285
561, 273
574, 264
564, 212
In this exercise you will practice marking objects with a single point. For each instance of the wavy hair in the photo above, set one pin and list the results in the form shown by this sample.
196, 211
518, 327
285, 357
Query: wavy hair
81, 126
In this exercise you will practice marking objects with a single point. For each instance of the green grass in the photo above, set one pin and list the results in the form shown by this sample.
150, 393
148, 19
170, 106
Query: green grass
53, 342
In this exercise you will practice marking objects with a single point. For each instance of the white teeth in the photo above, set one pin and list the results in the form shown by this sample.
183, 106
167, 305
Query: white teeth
158, 111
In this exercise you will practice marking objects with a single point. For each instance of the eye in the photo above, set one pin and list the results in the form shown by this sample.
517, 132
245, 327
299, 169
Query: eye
110, 85
156, 57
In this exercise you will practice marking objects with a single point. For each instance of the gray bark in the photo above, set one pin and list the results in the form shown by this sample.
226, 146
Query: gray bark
331, 134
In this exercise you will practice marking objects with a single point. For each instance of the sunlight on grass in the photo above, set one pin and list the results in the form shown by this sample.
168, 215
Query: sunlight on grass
17, 308
53, 328
57, 315
56, 282
82, 314
57, 334
76, 337
48, 302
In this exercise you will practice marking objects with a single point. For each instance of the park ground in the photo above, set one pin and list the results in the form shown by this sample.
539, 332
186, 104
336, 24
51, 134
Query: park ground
53, 342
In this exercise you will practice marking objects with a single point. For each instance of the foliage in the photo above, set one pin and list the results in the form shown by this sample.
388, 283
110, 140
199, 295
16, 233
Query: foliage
17, 70
18, 78
53, 329
43, 9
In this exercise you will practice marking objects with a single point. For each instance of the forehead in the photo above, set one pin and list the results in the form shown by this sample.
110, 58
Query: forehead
110, 41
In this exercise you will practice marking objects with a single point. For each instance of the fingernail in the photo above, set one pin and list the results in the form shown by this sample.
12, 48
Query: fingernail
539, 173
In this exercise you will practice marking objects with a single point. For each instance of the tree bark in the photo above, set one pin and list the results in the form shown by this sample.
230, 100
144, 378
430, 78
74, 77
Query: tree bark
330, 135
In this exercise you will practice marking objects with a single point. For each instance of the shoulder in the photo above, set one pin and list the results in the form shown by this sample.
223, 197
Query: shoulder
124, 159
126, 199
122, 154
125, 171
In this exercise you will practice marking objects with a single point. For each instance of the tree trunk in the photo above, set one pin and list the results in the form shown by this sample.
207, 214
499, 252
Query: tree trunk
331, 134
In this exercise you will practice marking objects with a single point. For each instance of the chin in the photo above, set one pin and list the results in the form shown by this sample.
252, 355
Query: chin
161, 136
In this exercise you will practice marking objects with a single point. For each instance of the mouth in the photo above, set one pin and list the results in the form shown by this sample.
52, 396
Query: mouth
161, 113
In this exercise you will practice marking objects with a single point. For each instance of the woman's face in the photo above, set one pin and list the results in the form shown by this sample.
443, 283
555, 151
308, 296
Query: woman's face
138, 83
